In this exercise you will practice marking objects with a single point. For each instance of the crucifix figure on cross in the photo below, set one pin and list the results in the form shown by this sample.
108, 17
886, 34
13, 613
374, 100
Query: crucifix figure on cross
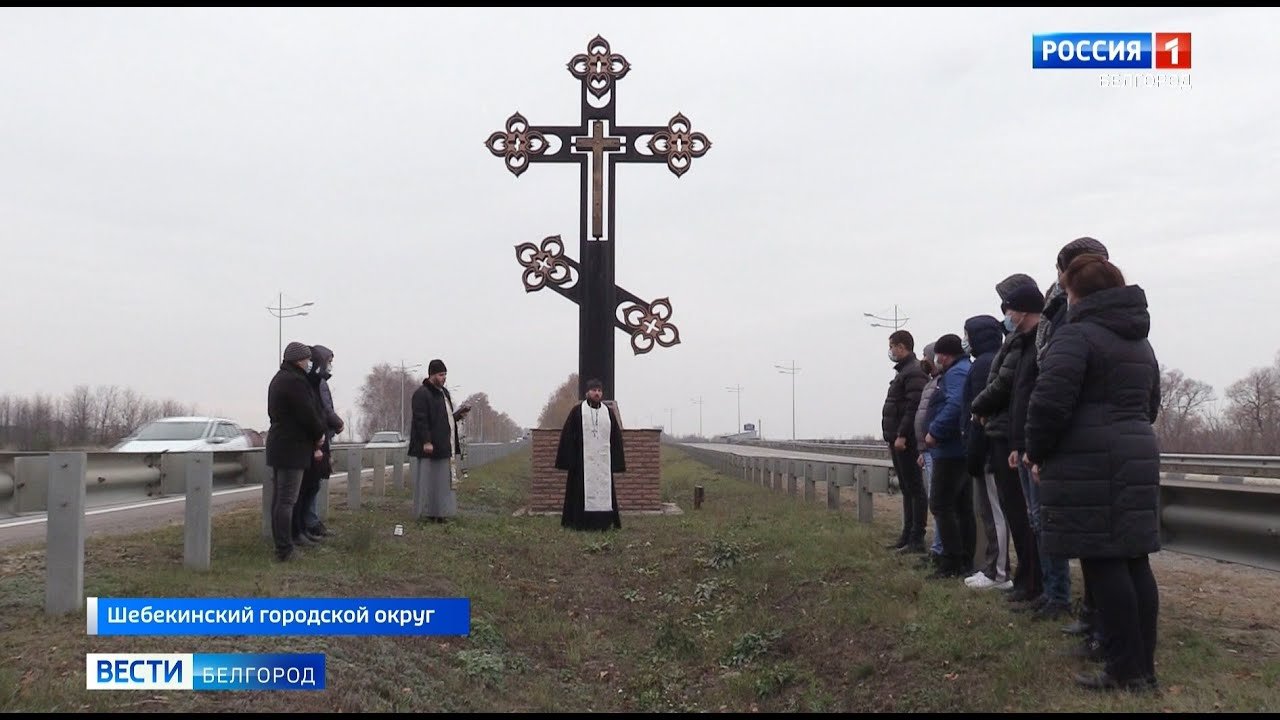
597, 144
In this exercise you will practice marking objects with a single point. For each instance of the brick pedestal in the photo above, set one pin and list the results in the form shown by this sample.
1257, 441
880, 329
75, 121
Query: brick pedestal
639, 488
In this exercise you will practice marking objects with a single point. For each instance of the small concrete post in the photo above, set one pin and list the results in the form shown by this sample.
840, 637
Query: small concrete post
810, 482
833, 489
268, 496
791, 476
379, 473
865, 507
697, 497
198, 514
355, 468
397, 470
64, 528
322, 500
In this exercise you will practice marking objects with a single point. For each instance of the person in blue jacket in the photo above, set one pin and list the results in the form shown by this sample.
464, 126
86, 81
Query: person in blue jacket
952, 499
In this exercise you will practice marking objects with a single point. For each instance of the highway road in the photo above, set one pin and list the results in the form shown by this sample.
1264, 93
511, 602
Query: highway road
126, 519
756, 451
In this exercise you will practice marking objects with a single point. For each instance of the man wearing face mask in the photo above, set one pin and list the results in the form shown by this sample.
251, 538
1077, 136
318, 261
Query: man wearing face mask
991, 407
897, 422
294, 440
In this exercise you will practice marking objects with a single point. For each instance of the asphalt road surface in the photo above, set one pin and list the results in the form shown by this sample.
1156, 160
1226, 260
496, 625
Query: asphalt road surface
135, 517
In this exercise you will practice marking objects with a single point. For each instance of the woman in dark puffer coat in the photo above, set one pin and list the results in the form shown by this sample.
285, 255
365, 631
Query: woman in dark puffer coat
1094, 452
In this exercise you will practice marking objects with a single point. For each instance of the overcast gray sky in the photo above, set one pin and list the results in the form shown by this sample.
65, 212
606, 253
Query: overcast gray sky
165, 173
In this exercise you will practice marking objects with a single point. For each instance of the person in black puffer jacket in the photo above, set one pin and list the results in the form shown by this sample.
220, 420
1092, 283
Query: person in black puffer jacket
897, 422
1093, 449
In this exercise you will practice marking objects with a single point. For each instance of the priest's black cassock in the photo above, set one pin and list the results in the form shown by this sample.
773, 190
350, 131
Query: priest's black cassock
591, 452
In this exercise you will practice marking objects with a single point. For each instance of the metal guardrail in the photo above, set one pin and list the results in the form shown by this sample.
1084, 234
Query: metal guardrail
114, 477
1224, 467
64, 484
1231, 518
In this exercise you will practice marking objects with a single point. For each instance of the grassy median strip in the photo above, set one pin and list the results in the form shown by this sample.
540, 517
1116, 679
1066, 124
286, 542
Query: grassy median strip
755, 602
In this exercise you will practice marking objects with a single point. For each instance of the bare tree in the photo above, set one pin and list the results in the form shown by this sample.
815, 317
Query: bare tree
129, 412
104, 428
1182, 406
381, 396
484, 424
1255, 408
559, 404
80, 415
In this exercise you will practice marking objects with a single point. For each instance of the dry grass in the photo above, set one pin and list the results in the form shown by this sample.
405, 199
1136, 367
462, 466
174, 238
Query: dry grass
756, 602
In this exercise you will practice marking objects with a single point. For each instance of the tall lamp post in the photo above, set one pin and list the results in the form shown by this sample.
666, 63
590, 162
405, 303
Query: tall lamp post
897, 322
792, 370
281, 312
698, 401
404, 377
737, 390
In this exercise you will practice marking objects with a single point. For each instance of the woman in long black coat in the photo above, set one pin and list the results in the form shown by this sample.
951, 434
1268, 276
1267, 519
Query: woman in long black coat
1093, 450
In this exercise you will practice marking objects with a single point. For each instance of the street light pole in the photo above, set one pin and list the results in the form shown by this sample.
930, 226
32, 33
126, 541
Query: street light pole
737, 390
698, 401
279, 312
792, 370
404, 376
897, 323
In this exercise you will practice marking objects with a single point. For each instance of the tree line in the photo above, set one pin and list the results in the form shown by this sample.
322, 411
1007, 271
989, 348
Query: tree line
1248, 423
1193, 418
1245, 420
84, 418
385, 403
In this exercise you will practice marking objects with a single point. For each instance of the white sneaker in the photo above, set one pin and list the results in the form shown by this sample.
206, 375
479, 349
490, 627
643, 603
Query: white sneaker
976, 577
1007, 584
985, 583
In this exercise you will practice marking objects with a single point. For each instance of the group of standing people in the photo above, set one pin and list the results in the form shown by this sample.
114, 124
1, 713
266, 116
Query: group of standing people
1042, 424
304, 423
299, 451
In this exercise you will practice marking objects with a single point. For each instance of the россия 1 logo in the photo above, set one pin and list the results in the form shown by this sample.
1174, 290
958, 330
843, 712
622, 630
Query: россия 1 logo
1111, 51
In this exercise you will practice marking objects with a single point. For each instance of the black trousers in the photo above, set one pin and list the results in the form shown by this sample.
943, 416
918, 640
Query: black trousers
1128, 604
915, 504
952, 505
1028, 576
284, 497
307, 492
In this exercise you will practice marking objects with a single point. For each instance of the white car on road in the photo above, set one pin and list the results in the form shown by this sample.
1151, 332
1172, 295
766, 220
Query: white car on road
186, 434
387, 439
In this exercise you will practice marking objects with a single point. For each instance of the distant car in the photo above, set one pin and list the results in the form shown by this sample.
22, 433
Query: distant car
387, 439
186, 434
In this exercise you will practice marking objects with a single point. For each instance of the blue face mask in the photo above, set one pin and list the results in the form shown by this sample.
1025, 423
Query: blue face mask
1008, 323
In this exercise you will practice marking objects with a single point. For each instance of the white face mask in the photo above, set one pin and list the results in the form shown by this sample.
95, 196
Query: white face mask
891, 357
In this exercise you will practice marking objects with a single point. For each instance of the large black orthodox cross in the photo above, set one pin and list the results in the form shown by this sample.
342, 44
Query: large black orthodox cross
597, 144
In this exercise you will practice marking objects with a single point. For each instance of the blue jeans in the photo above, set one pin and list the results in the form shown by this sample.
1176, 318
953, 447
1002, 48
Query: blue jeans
1056, 570
936, 548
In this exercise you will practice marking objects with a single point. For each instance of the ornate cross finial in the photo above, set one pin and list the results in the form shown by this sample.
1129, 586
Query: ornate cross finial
599, 67
518, 144
679, 144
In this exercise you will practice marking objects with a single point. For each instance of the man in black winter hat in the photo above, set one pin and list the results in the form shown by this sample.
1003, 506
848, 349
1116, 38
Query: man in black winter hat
434, 446
293, 441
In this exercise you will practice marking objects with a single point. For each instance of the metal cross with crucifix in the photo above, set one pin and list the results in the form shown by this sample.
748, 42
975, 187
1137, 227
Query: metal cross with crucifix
597, 144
